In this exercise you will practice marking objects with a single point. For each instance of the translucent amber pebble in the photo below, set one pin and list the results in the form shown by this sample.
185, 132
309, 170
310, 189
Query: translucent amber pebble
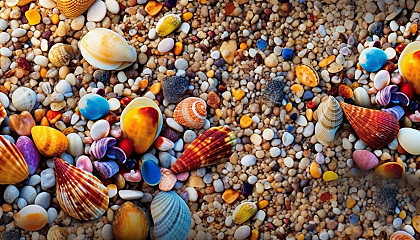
186, 16
289, 106
262, 204
296, 88
255, 234
155, 88
178, 48
329, 176
245, 121
315, 170
33, 17
230, 196
326, 61
238, 94
153, 8
350, 202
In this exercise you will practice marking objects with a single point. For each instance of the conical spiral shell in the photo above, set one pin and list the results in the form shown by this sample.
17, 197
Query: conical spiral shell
191, 112
79, 193
60, 54
73, 8
13, 167
49, 141
330, 116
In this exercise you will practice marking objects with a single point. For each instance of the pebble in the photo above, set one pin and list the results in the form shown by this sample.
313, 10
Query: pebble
242, 232
96, 12
218, 185
382, 79
47, 178
365, 160
100, 129
107, 232
397, 223
166, 45
112, 6
10, 194
4, 37
271, 61
289, 162
192, 194
287, 54
248, 160
41, 60
28, 193
174, 88
43, 199
52, 215
174, 125
130, 194
287, 138
21, 203
181, 64
34, 180
189, 136
268, 134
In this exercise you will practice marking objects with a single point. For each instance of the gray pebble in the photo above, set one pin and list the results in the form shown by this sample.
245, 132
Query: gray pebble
201, 172
179, 145
181, 64
52, 215
189, 136
165, 159
10, 194
43, 199
173, 88
28, 193
207, 178
287, 138
67, 158
218, 185
21, 202
47, 178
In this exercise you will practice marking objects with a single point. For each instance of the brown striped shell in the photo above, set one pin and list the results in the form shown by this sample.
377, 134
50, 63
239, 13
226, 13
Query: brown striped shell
79, 193
60, 54
13, 167
73, 8
211, 147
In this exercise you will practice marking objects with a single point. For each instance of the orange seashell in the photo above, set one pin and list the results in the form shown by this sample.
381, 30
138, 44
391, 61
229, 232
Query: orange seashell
375, 128
191, 112
307, 76
401, 235
79, 193
230, 196
73, 8
13, 167
3, 113
416, 222
345, 91
211, 147
167, 181
390, 170
153, 8
130, 223
49, 141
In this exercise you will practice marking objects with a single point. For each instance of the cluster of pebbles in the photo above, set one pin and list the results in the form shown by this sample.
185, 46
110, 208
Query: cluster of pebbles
240, 60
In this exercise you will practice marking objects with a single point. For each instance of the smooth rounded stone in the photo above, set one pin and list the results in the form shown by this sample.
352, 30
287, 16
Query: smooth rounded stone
93, 106
320, 159
409, 140
21, 202
242, 232
268, 134
324, 236
43, 199
10, 194
47, 4
112, 6
130, 194
390, 53
173, 88
301, 121
271, 61
189, 136
96, 12
365, 160
41, 60
273, 91
166, 45
289, 162
106, 232
372, 59
29, 152
52, 215
19, 32
4, 37
308, 130
181, 64
4, 51
275, 152
218, 185
75, 147
393, 145
397, 223
376, 28
63, 86
47, 178
207, 178
287, 139
34, 180
361, 97
179, 145
185, 27
215, 55
359, 145
114, 104
260, 215
393, 25
252, 179
248, 160
256, 139
28, 193
100, 129
3, 24
165, 159
192, 194
382, 79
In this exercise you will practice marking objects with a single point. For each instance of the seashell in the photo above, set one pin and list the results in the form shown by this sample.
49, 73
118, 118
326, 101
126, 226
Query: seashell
375, 128
60, 54
390, 170
22, 123
49, 141
414, 117
171, 217
416, 222
107, 169
24, 99
73, 8
75, 147
99, 148
330, 116
397, 111
210, 147
130, 223
409, 64
244, 211
83, 162
132, 176
3, 113
29, 153
168, 180
117, 154
409, 139
31, 218
168, 24
13, 167
57, 233
307, 76
191, 112
389, 94
401, 235
79, 193
151, 172
227, 50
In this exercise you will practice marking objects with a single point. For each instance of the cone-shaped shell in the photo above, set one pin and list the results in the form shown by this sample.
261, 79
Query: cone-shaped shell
191, 112
73, 8
106, 49
211, 147
60, 54
330, 116
130, 223
79, 193
13, 167
375, 128
49, 141
171, 217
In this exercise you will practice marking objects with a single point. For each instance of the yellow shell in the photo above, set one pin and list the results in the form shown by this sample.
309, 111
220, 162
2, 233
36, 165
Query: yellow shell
73, 8
130, 223
168, 24
13, 167
60, 54
49, 141
330, 116
244, 211
409, 65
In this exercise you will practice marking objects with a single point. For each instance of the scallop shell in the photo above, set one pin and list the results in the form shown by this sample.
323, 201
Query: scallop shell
168, 180
3, 113
107, 50
211, 147
191, 112
401, 235
244, 211
31, 218
57, 233
330, 116
49, 141
375, 128
130, 223
168, 24
171, 217
24, 99
73, 8
79, 193
60, 54
13, 167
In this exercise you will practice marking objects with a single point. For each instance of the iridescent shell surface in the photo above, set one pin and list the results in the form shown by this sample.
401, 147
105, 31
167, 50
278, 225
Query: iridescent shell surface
13, 167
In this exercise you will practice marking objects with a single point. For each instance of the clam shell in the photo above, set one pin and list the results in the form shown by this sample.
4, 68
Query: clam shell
168, 24
60, 54
49, 141
409, 139
24, 99
73, 8
79, 193
107, 50
107, 169
244, 211
151, 172
414, 46
168, 180
401, 235
13, 167
330, 116
171, 217
191, 112
307, 76
57, 233
130, 223
390, 170
210, 147
31, 218
375, 128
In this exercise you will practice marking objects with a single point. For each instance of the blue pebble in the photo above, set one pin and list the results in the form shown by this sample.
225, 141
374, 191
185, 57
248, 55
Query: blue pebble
261, 44
308, 95
372, 59
178, 185
290, 128
354, 171
353, 218
294, 116
322, 30
92, 106
287, 54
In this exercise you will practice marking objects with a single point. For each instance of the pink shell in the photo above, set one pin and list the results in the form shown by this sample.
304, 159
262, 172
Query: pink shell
191, 112
168, 180
183, 176
84, 163
132, 176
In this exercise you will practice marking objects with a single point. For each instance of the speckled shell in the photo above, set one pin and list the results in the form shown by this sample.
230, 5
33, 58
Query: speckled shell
191, 112
130, 223
244, 211
210, 147
79, 193
3, 113
73, 8
60, 54
13, 167
330, 116
24, 99
168, 24
107, 50
375, 128
57, 233
49, 141
171, 217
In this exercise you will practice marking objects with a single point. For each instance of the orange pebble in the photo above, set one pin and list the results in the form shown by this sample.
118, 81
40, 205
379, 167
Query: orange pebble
413, 28
229, 69
230, 196
43, 72
178, 48
243, 46
210, 74
6, 207
238, 94
219, 112
44, 122
143, 83
289, 106
245, 121
55, 19
203, 1
186, 16
156, 101
53, 116
33, 17
153, 8
155, 88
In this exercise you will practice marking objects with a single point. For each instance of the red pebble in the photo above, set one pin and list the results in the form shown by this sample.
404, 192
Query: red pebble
310, 104
408, 90
24, 64
125, 101
126, 145
325, 196
400, 48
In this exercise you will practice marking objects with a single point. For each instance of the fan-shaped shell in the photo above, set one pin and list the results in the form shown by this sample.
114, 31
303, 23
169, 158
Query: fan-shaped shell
24, 99
191, 112
171, 217
79, 193
73, 8
60, 54
375, 128
49, 141
211, 147
330, 116
401, 235
106, 49
130, 223
13, 167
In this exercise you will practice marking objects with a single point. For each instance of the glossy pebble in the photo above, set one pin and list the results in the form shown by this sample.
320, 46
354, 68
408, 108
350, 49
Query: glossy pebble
83, 162
315, 170
372, 59
164, 144
365, 160
29, 152
166, 45
100, 129
130, 194
75, 147
93, 106
242, 232
329, 176
382, 79
409, 139
31, 218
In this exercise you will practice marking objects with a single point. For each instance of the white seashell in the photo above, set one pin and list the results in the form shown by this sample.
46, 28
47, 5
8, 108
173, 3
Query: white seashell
24, 99
409, 140
330, 116
4, 100
75, 147
414, 46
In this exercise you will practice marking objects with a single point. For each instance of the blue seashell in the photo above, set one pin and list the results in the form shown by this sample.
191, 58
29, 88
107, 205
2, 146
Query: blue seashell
398, 111
171, 217
99, 148
400, 98
29, 152
116, 153
262, 44
383, 97
93, 106
287, 54
372, 59
151, 172
107, 169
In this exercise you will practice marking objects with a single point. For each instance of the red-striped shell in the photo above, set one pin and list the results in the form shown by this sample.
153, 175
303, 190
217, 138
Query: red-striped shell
13, 167
79, 193
211, 147
191, 112
167, 181
375, 128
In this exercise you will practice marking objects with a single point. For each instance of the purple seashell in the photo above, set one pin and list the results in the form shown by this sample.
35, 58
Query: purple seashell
116, 153
185, 196
247, 189
383, 97
400, 98
107, 169
29, 152
170, 3
398, 111
99, 148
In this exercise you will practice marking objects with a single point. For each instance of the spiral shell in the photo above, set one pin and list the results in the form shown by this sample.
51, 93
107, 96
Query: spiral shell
49, 141
60, 54
73, 8
107, 169
330, 116
191, 112
24, 99
13, 167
